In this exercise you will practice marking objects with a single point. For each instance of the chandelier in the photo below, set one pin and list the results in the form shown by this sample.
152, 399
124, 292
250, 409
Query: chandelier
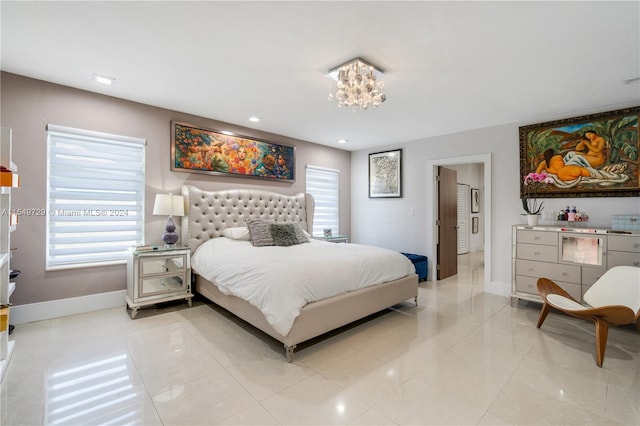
358, 85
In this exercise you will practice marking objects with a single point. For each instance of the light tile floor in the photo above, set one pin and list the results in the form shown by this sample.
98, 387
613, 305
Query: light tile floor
460, 357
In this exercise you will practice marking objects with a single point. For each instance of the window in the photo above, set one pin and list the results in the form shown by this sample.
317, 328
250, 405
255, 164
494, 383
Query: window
323, 184
95, 197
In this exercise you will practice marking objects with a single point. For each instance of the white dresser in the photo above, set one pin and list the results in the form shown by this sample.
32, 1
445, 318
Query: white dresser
572, 257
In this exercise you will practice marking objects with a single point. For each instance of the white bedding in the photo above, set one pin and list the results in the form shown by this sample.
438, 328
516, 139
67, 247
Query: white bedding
281, 280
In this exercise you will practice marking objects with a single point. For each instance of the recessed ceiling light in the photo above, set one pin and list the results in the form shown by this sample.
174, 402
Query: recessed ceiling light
254, 119
226, 132
342, 141
103, 79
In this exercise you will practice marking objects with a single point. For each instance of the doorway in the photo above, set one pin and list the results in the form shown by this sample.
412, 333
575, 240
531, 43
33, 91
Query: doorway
432, 207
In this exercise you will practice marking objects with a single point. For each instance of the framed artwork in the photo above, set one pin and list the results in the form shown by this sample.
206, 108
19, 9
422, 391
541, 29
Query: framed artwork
474, 224
475, 200
385, 174
589, 156
201, 150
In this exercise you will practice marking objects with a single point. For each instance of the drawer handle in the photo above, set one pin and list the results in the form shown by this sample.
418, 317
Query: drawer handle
564, 274
636, 245
529, 269
636, 263
536, 238
536, 253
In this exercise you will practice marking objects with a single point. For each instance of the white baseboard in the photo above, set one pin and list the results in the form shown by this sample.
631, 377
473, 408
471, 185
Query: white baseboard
498, 288
22, 314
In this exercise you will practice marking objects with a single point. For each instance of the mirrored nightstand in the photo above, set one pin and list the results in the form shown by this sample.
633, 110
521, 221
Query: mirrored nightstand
338, 238
158, 275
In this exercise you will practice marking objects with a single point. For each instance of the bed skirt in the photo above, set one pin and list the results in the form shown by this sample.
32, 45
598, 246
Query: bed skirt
318, 317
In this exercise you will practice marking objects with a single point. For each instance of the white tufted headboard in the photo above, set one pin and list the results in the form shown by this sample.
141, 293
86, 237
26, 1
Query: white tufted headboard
207, 213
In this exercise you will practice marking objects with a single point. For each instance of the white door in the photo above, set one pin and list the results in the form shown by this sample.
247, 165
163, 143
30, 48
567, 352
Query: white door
464, 212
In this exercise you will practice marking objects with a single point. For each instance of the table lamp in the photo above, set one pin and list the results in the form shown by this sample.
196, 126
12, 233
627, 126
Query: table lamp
171, 205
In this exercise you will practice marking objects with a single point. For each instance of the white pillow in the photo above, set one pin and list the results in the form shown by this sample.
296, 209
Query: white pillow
237, 233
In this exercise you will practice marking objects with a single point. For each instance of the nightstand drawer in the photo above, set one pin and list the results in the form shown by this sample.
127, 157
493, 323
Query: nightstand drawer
150, 266
161, 286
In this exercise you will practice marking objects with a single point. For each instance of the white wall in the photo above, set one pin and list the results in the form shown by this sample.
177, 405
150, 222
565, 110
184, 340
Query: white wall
389, 223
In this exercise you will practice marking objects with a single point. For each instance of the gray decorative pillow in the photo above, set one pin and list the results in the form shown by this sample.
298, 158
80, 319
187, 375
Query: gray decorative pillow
284, 234
300, 233
260, 232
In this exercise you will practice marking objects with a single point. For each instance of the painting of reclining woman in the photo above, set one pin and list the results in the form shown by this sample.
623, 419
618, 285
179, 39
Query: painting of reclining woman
589, 156
199, 150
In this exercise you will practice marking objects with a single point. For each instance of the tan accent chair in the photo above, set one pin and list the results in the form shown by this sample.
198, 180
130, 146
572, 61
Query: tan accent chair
613, 299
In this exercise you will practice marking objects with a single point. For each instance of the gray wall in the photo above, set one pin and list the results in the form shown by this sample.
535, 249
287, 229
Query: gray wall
389, 223
28, 105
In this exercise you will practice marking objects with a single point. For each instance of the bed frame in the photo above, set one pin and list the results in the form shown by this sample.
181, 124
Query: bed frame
208, 213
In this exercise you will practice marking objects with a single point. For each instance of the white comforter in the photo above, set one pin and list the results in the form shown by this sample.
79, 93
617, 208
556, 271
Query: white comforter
281, 280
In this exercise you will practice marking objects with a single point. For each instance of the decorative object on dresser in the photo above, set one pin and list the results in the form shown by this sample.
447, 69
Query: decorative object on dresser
385, 174
613, 299
157, 275
169, 205
589, 156
201, 150
533, 182
574, 258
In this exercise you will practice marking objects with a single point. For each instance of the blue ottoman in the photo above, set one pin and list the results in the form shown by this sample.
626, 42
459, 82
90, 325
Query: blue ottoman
420, 263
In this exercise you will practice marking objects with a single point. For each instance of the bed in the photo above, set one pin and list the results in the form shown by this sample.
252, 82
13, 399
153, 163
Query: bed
210, 213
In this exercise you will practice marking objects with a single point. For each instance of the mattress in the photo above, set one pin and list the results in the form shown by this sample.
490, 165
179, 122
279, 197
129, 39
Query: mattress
280, 281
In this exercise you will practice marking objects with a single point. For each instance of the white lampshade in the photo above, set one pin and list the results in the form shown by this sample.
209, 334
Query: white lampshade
169, 205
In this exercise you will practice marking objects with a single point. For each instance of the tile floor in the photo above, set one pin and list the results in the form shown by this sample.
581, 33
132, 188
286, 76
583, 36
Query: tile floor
460, 357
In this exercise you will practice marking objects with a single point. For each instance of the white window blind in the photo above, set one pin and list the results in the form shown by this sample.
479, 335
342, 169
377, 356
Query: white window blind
323, 184
95, 197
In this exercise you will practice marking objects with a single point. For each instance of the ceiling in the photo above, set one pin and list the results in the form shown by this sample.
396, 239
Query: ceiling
449, 66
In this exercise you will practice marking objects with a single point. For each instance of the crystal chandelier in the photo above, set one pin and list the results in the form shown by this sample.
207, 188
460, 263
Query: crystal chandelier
358, 85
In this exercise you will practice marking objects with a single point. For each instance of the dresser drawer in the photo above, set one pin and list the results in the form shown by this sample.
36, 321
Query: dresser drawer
537, 237
624, 243
591, 275
617, 258
529, 285
537, 252
553, 271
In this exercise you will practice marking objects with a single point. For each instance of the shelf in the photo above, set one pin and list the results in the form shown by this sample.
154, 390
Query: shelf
9, 179
5, 362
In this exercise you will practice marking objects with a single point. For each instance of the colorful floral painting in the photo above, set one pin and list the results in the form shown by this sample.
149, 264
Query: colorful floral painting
589, 156
200, 150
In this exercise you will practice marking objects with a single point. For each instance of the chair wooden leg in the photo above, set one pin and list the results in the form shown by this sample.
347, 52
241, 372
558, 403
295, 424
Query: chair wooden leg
546, 308
602, 331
